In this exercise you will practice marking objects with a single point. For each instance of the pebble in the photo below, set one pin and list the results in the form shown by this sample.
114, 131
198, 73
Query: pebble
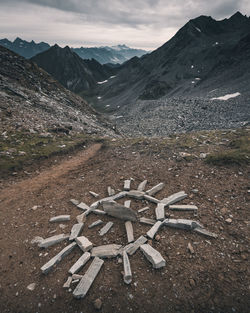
31, 286
192, 282
98, 304
228, 220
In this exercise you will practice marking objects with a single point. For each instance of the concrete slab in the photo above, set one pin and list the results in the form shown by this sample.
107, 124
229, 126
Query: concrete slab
139, 195
96, 223
57, 258
129, 231
174, 198
80, 263
45, 243
151, 199
83, 243
105, 228
85, 283
142, 185
106, 251
127, 203
76, 230
132, 248
60, 218
160, 212
127, 276
155, 189
154, 229
127, 183
182, 223
205, 232
148, 221
183, 207
111, 191
83, 206
143, 209
153, 256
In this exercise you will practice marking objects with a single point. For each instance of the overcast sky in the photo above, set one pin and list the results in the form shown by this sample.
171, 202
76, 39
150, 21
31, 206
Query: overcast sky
137, 23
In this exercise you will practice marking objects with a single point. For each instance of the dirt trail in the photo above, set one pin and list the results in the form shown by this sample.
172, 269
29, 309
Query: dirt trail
48, 176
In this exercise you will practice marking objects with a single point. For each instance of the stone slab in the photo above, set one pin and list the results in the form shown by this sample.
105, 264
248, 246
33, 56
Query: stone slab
132, 248
139, 195
143, 209
111, 191
83, 243
95, 205
151, 199
95, 195
127, 276
160, 211
96, 223
119, 211
205, 232
183, 207
182, 223
154, 229
45, 243
106, 251
174, 198
83, 206
80, 263
127, 183
57, 258
68, 282
148, 221
74, 201
76, 230
129, 231
81, 218
155, 189
85, 283
105, 228
153, 256
60, 218
127, 203
142, 185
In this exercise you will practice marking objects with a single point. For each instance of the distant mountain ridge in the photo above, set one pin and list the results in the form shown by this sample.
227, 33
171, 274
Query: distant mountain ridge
70, 70
114, 54
23, 47
202, 52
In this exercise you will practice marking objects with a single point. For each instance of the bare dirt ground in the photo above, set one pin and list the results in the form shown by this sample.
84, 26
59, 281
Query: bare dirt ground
213, 279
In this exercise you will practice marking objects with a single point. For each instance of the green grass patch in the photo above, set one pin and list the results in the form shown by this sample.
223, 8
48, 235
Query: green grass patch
238, 152
22, 148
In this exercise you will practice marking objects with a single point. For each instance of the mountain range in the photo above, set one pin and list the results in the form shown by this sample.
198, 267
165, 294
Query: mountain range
70, 70
115, 54
205, 54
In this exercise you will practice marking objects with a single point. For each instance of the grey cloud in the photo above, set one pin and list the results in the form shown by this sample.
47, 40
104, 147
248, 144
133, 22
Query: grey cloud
171, 13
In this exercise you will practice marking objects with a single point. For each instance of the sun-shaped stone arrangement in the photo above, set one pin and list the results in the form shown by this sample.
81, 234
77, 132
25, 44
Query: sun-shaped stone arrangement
109, 206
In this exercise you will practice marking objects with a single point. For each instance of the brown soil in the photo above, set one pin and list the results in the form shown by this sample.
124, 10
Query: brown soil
213, 279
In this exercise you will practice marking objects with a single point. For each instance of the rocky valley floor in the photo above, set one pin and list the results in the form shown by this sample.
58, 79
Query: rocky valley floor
214, 278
